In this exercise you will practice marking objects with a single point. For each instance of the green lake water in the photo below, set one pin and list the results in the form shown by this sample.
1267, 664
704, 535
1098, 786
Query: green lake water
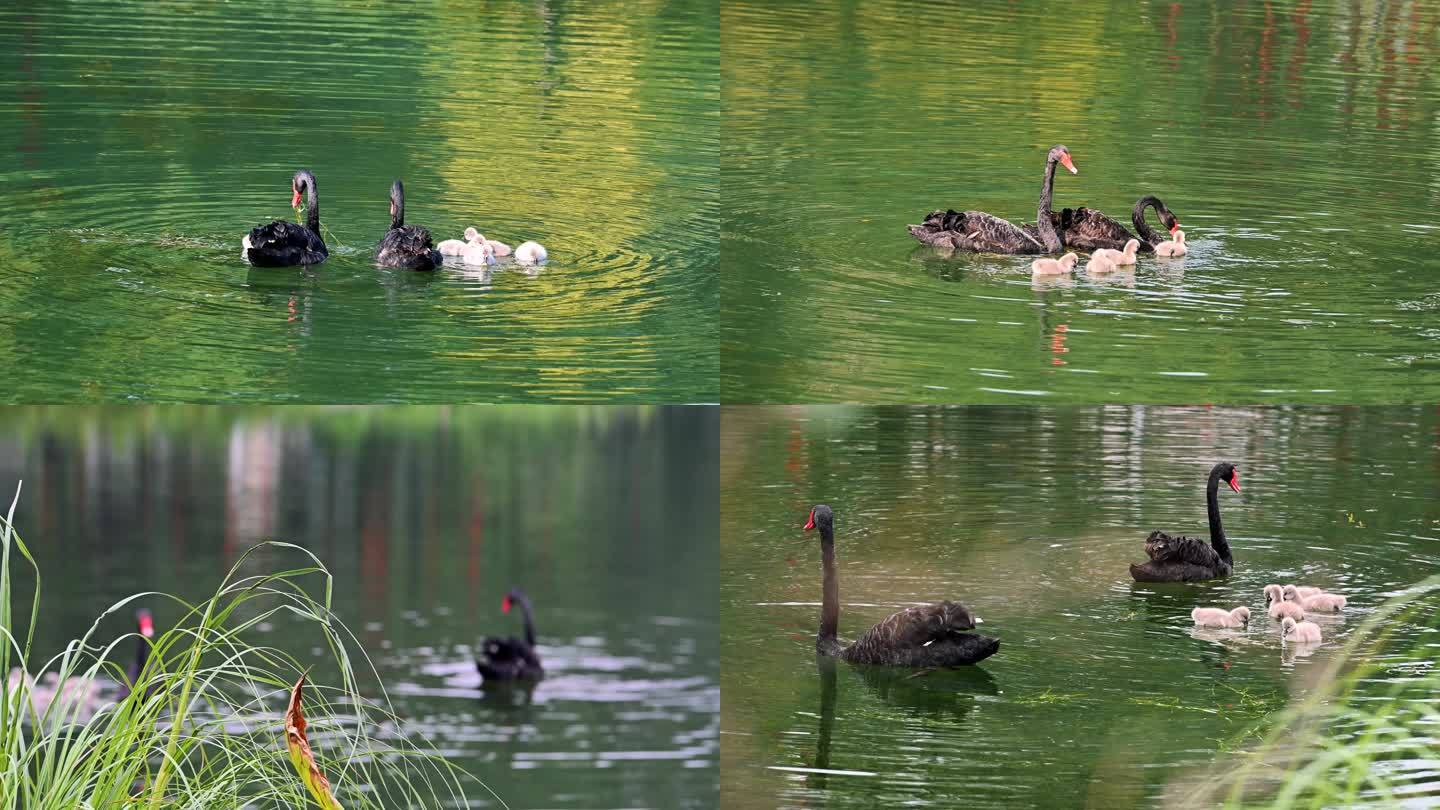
1296, 142
1102, 693
146, 139
426, 517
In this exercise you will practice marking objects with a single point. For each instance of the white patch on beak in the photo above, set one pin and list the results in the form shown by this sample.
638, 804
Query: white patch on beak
979, 620
928, 643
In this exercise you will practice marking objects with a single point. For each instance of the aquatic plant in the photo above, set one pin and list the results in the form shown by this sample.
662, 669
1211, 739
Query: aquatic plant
205, 724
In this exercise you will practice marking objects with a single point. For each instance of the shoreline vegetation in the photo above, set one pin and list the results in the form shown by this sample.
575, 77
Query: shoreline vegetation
204, 724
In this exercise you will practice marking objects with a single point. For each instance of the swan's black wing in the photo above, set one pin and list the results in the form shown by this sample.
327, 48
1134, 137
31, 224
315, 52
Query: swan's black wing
957, 650
1089, 229
1179, 559
1153, 571
1162, 547
976, 232
408, 246
507, 659
910, 630
283, 244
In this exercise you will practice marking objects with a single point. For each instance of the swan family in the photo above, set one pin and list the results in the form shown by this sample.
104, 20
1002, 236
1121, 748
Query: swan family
287, 244
1111, 243
1286, 605
942, 634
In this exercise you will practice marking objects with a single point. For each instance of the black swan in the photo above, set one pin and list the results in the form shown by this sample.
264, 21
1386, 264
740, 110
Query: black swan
78, 699
979, 232
1088, 229
406, 246
1187, 559
928, 636
511, 659
285, 244
145, 624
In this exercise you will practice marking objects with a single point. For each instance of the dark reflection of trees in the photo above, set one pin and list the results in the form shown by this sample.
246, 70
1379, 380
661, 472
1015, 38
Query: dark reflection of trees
411, 507
1090, 464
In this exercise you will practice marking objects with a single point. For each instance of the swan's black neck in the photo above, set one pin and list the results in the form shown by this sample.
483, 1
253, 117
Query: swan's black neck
1212, 503
1137, 217
397, 211
529, 619
142, 656
312, 205
1043, 225
826, 641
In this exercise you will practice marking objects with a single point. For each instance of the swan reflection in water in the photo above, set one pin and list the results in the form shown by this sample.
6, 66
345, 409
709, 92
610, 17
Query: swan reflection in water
1041, 283
1119, 277
939, 693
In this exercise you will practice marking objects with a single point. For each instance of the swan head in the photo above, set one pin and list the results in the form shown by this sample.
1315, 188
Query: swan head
471, 234
1287, 626
1291, 593
513, 598
145, 622
1069, 260
1242, 613
1060, 154
1227, 472
1132, 247
303, 181
822, 518
1178, 235
1273, 593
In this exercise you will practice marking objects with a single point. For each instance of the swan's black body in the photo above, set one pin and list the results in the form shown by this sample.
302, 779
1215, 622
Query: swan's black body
979, 232
1088, 229
510, 659
928, 636
286, 244
1189, 559
406, 246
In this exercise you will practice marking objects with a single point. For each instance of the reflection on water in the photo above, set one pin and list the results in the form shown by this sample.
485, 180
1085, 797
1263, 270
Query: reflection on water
1256, 123
591, 128
426, 517
1103, 690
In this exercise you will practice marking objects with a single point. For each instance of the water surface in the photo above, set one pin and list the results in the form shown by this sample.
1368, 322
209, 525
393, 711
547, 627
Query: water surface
146, 139
426, 517
1102, 692
1296, 142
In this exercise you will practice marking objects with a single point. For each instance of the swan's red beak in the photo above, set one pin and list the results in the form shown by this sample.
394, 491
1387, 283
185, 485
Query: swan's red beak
1235, 481
147, 626
810, 524
294, 196
1173, 229
1065, 159
505, 604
